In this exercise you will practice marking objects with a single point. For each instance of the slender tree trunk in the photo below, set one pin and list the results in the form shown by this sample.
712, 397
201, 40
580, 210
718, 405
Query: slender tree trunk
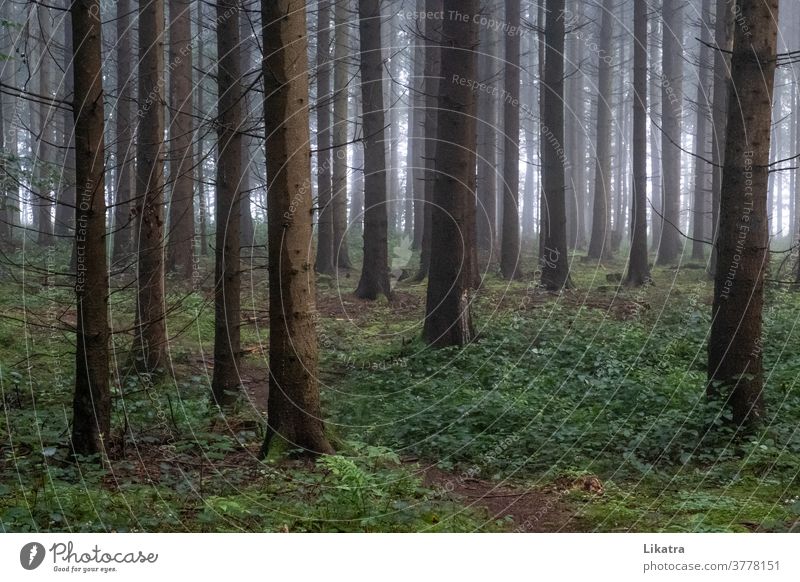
91, 406
657, 219
600, 243
227, 284
149, 344
487, 147
340, 121
448, 321
418, 134
123, 150
65, 202
735, 365
638, 265
201, 156
325, 262
295, 419
704, 88
509, 248
180, 258
375, 271
555, 257
247, 227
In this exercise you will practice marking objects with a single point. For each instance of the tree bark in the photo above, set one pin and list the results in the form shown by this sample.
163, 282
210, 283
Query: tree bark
735, 365
149, 344
554, 255
325, 262
91, 405
341, 252
509, 248
600, 243
375, 271
294, 415
448, 321
638, 265
180, 255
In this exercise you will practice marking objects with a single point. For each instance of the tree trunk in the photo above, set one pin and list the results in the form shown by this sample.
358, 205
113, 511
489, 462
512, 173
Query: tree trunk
325, 262
671, 112
149, 344
42, 186
554, 255
123, 147
704, 88
509, 248
600, 243
375, 271
247, 227
65, 202
448, 321
735, 366
341, 82
180, 255
91, 406
638, 265
227, 285
418, 133
295, 418
487, 146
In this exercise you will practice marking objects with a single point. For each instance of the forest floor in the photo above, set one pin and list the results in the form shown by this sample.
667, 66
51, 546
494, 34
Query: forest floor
579, 411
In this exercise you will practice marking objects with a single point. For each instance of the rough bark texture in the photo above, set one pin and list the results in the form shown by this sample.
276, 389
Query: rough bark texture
324, 262
341, 82
294, 415
735, 366
671, 112
723, 39
600, 242
448, 321
123, 147
227, 286
638, 265
149, 344
180, 248
509, 248
375, 271
554, 255
91, 406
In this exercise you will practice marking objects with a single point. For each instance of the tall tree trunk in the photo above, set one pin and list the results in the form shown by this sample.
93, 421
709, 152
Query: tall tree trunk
340, 121
295, 419
201, 156
554, 256
735, 366
487, 145
227, 284
325, 262
375, 271
180, 255
433, 69
149, 344
123, 147
657, 219
65, 202
448, 321
671, 112
247, 227
704, 88
509, 248
418, 133
600, 243
42, 190
723, 39
638, 265
91, 406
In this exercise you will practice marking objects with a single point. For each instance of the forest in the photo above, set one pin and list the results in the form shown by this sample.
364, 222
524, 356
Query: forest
399, 266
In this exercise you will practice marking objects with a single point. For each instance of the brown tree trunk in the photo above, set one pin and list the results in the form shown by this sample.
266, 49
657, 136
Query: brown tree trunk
123, 147
42, 186
91, 406
704, 87
487, 147
180, 248
723, 39
509, 247
671, 112
638, 264
325, 263
375, 271
418, 133
735, 366
227, 286
294, 415
341, 83
149, 344
600, 242
554, 255
448, 321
